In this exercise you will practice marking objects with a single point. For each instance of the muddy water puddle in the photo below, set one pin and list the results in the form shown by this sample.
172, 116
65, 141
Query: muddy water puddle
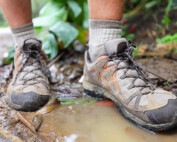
79, 118
96, 123
99, 122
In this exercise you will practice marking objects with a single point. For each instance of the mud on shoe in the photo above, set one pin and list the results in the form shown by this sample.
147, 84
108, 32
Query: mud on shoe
116, 76
29, 89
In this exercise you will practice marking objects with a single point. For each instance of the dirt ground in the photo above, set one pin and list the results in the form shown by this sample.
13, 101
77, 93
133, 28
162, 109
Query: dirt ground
59, 122
65, 85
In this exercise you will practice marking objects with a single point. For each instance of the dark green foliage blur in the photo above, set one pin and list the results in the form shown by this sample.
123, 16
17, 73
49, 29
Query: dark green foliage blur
59, 22
36, 5
62, 21
3, 23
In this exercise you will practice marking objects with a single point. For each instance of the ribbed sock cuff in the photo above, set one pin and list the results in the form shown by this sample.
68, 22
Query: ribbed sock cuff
20, 34
101, 31
104, 24
23, 28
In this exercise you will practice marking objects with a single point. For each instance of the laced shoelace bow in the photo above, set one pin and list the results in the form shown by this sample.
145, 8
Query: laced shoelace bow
127, 56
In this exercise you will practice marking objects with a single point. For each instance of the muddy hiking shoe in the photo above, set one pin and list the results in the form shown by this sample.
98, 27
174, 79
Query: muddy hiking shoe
29, 89
116, 76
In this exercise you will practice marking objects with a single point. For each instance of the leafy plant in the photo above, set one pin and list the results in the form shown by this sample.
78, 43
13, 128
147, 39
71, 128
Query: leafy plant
10, 56
168, 39
166, 20
135, 52
167, 83
61, 22
128, 35
86, 101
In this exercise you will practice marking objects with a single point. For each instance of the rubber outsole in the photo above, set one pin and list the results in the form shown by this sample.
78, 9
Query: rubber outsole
27, 102
92, 91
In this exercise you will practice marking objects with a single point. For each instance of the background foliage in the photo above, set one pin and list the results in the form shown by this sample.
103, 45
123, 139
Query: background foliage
59, 22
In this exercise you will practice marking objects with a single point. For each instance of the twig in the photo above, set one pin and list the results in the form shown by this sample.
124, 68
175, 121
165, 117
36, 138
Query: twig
54, 60
135, 10
26, 122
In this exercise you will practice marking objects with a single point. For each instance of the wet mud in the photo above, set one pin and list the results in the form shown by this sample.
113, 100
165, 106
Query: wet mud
72, 116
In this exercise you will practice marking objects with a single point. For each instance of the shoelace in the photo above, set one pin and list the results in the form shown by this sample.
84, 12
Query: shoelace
30, 52
127, 56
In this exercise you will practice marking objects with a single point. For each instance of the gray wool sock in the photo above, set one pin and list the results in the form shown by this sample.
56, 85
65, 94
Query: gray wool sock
20, 34
101, 31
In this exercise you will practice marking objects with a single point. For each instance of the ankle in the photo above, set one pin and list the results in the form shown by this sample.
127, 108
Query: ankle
101, 31
20, 34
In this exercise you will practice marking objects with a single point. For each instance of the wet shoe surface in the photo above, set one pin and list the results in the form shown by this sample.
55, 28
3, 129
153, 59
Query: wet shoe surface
116, 76
29, 89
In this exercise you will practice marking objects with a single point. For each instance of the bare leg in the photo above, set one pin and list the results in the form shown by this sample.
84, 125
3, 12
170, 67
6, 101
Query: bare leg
106, 9
17, 12
104, 24
33, 95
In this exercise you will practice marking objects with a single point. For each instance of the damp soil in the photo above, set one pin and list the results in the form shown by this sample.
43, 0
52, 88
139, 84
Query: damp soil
72, 116
148, 27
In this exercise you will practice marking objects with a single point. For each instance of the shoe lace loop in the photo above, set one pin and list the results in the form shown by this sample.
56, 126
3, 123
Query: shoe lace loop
126, 55
32, 52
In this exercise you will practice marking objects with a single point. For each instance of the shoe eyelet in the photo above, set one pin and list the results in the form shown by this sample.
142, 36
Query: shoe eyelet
122, 77
130, 87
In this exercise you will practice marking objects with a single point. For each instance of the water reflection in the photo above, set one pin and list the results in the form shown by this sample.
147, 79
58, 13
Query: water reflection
96, 123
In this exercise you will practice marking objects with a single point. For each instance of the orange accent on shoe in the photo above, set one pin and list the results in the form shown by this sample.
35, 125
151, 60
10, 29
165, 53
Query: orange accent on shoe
42, 51
85, 75
107, 85
18, 55
18, 67
115, 81
102, 57
16, 59
18, 51
107, 68
100, 75
93, 70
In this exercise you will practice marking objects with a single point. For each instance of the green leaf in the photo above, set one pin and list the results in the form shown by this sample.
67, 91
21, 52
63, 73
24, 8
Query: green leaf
166, 20
50, 8
92, 102
65, 32
50, 20
74, 6
168, 39
86, 15
87, 101
10, 56
51, 46
135, 52
130, 36
11, 52
168, 8
83, 35
151, 4
46, 47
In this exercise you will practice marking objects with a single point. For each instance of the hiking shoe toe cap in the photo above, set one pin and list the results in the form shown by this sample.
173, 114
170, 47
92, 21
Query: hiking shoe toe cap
28, 102
166, 114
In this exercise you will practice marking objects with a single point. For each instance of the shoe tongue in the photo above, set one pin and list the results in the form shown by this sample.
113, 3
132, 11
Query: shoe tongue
115, 46
32, 44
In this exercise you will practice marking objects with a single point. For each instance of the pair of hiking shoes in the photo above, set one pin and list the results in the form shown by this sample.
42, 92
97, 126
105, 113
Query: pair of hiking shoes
113, 75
